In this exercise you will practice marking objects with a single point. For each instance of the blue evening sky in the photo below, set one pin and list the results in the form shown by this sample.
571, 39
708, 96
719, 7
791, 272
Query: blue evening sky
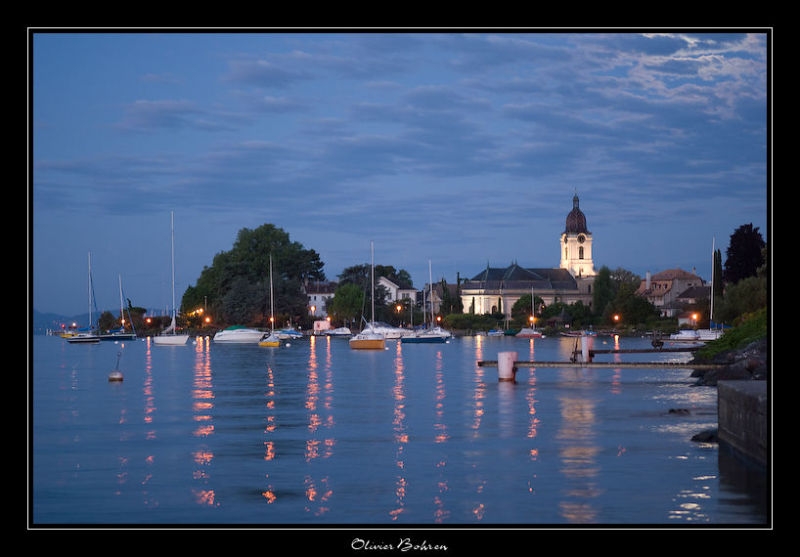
462, 148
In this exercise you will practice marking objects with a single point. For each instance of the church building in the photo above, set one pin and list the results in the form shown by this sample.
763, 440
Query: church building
496, 289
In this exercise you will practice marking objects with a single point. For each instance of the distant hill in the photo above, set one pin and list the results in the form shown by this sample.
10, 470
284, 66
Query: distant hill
40, 322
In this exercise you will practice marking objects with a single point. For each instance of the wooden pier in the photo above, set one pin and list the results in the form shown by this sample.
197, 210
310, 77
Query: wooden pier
577, 363
669, 365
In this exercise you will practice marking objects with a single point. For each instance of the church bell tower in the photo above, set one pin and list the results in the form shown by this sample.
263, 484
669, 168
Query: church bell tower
576, 244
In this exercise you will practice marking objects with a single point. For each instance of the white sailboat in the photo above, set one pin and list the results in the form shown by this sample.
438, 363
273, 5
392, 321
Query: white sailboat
712, 333
121, 333
530, 332
369, 338
89, 335
270, 340
169, 336
433, 334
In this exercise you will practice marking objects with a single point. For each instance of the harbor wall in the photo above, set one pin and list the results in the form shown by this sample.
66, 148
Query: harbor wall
742, 418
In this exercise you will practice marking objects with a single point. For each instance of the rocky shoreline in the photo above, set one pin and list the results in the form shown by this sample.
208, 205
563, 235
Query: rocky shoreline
748, 363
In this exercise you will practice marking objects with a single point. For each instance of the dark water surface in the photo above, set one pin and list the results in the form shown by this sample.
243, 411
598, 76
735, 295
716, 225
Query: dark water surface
318, 434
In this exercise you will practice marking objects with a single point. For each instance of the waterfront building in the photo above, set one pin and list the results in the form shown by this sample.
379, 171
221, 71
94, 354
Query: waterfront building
497, 289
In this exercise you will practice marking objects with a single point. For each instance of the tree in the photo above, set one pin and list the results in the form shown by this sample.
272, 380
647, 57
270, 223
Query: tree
633, 310
236, 286
717, 281
449, 304
347, 304
603, 291
744, 254
746, 296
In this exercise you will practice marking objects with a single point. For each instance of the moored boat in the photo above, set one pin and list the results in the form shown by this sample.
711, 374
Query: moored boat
239, 334
170, 336
270, 340
433, 334
528, 332
118, 334
427, 336
339, 332
369, 338
86, 335
84, 338
288, 334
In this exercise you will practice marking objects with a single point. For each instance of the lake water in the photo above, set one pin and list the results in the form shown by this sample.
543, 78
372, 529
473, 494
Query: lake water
316, 434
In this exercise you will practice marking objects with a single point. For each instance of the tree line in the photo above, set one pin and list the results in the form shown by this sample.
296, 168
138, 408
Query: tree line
235, 289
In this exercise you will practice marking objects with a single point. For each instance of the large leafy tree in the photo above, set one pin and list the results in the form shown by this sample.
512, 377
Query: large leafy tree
744, 254
610, 293
235, 289
347, 304
361, 277
603, 291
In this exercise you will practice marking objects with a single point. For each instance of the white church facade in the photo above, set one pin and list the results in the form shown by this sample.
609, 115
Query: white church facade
496, 290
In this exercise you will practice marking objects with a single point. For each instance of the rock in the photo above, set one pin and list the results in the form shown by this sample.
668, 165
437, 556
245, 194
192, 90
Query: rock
708, 436
749, 363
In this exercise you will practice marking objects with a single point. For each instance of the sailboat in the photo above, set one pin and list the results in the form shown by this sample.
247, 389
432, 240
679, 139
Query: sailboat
271, 339
369, 338
713, 332
530, 332
89, 335
169, 336
121, 333
433, 334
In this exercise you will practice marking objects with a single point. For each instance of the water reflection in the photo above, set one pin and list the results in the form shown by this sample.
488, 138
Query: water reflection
269, 428
441, 435
421, 435
400, 433
479, 393
319, 415
478, 399
148, 393
202, 414
578, 451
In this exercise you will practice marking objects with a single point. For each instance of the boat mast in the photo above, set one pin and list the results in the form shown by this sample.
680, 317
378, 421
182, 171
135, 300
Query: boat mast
372, 274
121, 308
89, 298
271, 305
172, 253
430, 280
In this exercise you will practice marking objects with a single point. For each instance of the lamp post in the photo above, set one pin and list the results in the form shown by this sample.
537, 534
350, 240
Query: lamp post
694, 320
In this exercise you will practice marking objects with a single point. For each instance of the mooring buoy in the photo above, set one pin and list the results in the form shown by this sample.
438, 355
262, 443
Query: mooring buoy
116, 374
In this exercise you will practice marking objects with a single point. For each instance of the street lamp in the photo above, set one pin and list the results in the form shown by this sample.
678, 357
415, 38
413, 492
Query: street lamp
694, 320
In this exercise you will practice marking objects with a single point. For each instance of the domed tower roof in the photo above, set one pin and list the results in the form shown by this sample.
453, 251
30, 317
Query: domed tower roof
576, 220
